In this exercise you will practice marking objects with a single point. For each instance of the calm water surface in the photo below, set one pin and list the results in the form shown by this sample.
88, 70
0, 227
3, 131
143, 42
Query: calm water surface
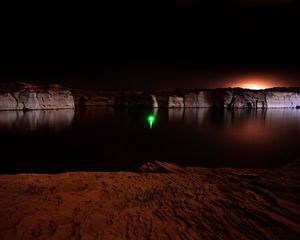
107, 139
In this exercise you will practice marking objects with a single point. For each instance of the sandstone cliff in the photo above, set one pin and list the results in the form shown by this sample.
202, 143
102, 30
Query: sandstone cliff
28, 97
221, 98
24, 96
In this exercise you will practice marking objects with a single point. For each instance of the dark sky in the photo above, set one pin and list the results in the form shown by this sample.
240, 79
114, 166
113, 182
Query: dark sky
151, 44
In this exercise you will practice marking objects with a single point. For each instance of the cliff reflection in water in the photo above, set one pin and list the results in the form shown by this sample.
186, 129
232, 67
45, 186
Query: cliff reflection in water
36, 120
242, 138
236, 119
119, 139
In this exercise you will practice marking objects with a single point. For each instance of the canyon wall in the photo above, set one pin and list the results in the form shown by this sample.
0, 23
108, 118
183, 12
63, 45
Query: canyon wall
220, 98
24, 96
283, 99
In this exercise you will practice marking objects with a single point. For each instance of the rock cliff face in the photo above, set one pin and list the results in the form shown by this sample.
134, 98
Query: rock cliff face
199, 99
93, 98
240, 98
24, 96
220, 98
176, 101
134, 99
276, 99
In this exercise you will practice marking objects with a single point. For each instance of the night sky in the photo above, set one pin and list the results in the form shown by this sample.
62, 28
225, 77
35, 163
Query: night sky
152, 44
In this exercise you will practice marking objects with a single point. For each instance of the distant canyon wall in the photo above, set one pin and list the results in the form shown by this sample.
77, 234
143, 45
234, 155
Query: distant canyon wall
229, 98
23, 96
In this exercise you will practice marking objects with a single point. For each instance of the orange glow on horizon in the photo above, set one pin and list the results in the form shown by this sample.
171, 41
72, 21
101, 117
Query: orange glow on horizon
255, 82
253, 86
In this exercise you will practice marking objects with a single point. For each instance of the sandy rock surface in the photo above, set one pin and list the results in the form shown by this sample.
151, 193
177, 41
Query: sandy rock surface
163, 201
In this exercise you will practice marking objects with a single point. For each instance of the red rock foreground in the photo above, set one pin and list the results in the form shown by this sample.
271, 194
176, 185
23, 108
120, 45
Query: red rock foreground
163, 202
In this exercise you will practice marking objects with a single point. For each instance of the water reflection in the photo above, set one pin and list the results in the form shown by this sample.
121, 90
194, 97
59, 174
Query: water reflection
176, 114
239, 118
243, 138
39, 120
119, 139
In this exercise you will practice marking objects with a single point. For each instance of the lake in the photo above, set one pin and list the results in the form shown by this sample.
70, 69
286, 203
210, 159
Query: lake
107, 139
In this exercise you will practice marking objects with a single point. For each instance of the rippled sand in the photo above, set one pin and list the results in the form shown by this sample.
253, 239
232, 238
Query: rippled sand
163, 201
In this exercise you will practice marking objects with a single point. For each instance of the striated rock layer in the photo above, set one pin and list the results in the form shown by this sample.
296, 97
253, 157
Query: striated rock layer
27, 97
24, 96
164, 201
221, 98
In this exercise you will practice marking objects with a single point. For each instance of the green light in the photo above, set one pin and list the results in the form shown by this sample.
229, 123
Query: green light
151, 120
